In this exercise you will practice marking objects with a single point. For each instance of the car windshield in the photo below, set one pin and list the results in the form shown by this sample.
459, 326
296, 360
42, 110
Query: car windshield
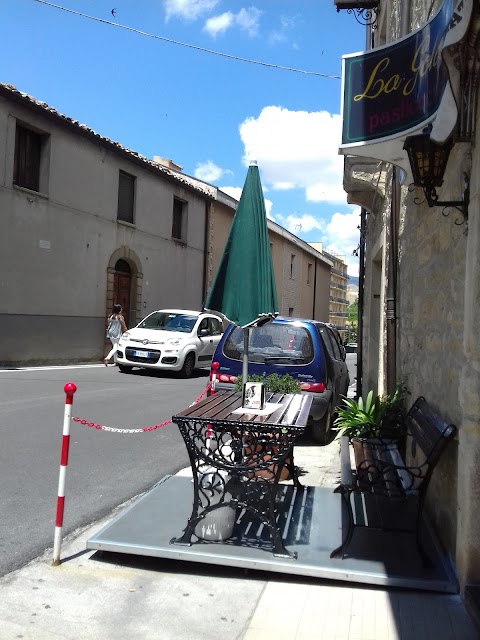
281, 343
169, 322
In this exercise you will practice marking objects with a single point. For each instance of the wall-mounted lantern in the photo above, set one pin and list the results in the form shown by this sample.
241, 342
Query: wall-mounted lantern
365, 11
428, 161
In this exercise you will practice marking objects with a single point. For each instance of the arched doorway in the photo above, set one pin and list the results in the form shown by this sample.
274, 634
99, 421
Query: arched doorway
122, 286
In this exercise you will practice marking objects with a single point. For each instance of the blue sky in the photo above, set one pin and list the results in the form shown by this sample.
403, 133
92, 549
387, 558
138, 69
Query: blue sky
208, 113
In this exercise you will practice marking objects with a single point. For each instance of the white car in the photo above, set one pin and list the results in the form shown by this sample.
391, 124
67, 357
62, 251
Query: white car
172, 340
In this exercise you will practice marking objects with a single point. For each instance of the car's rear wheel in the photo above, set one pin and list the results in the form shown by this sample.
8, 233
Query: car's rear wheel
124, 369
320, 429
188, 366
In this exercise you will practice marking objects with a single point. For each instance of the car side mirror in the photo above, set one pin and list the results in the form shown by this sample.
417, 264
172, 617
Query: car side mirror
203, 332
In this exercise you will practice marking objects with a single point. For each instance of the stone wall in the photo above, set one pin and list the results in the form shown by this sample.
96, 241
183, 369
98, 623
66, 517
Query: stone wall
438, 323
430, 334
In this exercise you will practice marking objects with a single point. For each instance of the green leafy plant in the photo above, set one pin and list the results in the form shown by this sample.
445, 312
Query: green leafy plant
358, 418
393, 410
273, 383
382, 416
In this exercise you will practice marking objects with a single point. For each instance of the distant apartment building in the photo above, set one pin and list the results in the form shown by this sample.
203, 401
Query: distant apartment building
338, 287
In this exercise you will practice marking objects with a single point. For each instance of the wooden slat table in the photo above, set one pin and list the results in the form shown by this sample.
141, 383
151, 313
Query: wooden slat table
237, 459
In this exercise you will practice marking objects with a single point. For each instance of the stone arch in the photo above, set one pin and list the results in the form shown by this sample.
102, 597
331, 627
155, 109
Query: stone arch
136, 282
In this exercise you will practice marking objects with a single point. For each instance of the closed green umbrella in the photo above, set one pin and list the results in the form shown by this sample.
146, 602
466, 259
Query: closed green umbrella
244, 288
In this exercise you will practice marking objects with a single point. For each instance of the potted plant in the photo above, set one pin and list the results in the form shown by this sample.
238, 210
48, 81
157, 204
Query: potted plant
274, 384
381, 417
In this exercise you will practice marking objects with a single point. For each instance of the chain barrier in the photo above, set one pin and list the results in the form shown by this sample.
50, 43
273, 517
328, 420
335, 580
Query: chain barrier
102, 427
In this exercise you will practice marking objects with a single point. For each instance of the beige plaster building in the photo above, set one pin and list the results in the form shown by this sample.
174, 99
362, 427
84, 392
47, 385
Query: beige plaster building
87, 222
302, 274
420, 270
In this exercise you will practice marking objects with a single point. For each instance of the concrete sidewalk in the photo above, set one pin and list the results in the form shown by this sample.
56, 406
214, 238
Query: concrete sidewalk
91, 596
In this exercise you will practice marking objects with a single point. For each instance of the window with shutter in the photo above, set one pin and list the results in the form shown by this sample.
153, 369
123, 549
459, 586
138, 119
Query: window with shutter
179, 220
28, 148
126, 197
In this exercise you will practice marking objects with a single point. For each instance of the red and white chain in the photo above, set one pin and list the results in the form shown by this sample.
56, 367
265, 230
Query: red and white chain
102, 427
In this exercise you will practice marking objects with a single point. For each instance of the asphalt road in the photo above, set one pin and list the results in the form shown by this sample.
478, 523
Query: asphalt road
351, 361
104, 469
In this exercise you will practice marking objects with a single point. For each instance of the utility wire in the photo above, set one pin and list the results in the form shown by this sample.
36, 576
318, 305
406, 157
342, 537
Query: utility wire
184, 44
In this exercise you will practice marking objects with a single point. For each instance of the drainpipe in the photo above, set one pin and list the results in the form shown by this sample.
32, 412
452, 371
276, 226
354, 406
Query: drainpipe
391, 300
392, 237
314, 290
361, 297
405, 18
206, 241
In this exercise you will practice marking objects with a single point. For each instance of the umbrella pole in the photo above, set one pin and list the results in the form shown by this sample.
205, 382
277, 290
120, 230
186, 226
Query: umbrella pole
246, 336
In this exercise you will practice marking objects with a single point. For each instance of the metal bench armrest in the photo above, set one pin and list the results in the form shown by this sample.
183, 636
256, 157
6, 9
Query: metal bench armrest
345, 465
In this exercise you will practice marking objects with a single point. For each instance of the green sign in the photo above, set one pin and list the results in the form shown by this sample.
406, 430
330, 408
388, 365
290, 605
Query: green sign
397, 87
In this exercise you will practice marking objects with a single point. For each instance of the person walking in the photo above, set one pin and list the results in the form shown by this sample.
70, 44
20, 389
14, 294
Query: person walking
116, 326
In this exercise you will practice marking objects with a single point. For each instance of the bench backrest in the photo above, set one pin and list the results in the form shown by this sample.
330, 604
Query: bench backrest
428, 431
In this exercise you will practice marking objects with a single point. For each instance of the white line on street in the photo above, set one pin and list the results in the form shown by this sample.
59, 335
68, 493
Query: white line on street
53, 368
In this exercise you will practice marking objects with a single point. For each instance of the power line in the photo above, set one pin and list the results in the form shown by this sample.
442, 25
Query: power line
184, 44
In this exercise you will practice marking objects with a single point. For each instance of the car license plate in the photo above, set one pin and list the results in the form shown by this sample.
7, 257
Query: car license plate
141, 354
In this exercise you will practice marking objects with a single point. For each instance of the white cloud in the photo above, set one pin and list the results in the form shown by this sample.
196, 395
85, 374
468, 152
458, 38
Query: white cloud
219, 24
234, 192
342, 237
297, 149
344, 226
209, 172
302, 224
246, 19
268, 209
188, 9
279, 34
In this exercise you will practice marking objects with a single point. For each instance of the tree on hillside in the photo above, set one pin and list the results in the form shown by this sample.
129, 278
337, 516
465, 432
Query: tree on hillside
352, 322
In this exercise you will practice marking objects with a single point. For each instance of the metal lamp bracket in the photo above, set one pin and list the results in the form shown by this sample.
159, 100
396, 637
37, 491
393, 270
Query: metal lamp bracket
365, 11
461, 206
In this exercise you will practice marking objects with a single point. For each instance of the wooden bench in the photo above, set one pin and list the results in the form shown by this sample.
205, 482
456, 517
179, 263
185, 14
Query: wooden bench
383, 481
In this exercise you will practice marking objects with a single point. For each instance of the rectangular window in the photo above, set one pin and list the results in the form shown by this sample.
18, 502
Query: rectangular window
28, 149
179, 220
126, 197
309, 273
292, 265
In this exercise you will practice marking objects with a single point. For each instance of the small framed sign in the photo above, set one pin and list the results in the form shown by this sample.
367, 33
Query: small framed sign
253, 395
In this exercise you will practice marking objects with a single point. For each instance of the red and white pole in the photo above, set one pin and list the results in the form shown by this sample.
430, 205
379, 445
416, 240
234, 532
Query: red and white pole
213, 376
69, 389
213, 380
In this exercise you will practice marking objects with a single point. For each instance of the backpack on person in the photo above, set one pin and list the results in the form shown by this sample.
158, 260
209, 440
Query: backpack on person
114, 329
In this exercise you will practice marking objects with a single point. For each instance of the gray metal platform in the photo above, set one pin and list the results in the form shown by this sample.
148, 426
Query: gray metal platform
310, 525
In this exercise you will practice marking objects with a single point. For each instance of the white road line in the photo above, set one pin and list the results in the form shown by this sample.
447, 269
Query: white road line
52, 368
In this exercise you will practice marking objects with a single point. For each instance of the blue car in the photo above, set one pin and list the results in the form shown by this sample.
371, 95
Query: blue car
309, 351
